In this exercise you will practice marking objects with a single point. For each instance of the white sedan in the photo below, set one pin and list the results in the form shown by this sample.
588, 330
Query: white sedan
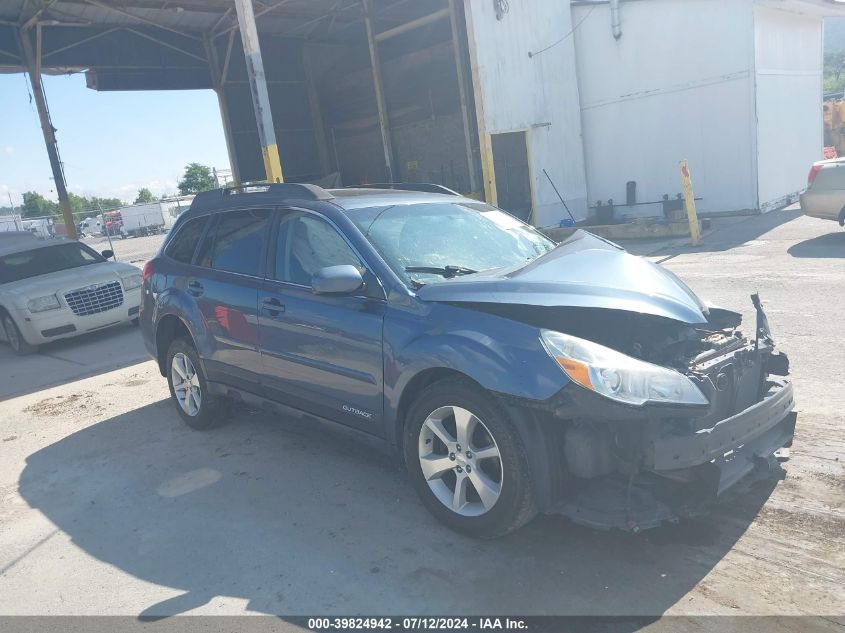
59, 288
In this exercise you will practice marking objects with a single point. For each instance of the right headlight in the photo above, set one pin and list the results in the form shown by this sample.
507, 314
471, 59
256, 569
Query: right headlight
618, 376
42, 304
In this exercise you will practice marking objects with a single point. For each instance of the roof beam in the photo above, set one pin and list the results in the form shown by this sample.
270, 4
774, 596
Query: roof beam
413, 24
167, 45
106, 5
258, 14
83, 41
32, 20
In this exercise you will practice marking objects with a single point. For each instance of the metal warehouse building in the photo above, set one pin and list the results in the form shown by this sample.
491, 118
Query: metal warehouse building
483, 96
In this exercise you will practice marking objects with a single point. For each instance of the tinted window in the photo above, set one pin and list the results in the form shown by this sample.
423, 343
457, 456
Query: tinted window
306, 244
42, 261
183, 245
239, 240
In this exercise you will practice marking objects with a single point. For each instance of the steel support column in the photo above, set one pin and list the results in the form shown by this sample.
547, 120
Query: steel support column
218, 81
485, 142
462, 91
383, 117
260, 96
33, 64
316, 113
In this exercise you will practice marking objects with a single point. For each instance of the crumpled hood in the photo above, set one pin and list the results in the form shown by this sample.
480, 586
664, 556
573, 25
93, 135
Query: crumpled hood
583, 271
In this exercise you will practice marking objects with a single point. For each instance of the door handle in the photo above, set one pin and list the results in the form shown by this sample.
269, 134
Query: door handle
273, 306
195, 288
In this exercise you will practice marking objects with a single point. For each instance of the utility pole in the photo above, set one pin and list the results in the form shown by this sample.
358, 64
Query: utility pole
260, 96
33, 63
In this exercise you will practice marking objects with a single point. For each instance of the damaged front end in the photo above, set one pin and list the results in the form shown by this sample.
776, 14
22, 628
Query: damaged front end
669, 404
637, 465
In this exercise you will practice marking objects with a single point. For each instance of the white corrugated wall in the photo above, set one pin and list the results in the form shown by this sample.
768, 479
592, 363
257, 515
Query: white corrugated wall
537, 94
789, 101
677, 85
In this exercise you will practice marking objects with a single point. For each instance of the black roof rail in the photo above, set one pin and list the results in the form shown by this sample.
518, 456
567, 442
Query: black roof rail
425, 187
283, 190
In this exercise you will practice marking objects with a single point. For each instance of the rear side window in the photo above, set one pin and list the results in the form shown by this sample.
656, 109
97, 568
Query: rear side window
239, 240
183, 245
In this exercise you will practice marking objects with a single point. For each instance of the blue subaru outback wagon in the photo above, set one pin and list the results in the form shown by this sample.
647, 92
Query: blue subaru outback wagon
513, 375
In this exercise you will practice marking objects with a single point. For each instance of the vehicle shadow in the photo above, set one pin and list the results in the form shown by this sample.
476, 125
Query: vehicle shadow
831, 245
299, 521
70, 359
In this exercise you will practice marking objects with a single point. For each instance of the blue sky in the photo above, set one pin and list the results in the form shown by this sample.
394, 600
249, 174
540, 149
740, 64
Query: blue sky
112, 143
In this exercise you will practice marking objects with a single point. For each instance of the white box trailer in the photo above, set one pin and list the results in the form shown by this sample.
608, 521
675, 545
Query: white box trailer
172, 208
11, 223
141, 219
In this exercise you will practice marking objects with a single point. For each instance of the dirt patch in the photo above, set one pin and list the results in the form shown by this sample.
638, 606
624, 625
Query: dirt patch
823, 525
62, 405
135, 383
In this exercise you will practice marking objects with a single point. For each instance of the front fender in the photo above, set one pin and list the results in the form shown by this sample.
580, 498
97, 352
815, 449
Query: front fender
502, 356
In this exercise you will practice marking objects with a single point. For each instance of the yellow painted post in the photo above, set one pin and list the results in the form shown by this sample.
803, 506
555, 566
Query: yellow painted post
689, 202
260, 96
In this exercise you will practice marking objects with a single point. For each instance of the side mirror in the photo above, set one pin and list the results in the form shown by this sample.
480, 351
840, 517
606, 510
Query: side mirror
337, 280
108, 254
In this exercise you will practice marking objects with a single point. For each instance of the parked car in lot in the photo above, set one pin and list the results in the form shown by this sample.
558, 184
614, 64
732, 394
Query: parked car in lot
825, 194
513, 375
61, 288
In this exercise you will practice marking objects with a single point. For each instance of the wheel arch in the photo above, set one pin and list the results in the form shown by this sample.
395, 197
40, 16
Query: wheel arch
415, 386
169, 328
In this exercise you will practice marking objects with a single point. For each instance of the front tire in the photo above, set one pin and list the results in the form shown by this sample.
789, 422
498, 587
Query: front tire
16, 341
467, 461
189, 389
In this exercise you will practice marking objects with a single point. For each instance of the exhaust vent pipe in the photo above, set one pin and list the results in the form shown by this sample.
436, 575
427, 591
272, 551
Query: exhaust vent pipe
615, 19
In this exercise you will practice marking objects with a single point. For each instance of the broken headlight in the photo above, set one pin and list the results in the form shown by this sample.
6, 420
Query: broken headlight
617, 376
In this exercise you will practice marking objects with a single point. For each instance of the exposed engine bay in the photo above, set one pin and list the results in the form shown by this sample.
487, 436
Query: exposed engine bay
642, 466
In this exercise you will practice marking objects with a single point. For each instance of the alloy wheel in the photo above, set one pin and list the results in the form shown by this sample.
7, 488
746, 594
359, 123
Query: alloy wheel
186, 384
460, 461
12, 334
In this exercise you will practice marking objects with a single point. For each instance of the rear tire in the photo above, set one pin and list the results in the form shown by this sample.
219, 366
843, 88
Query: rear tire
482, 487
16, 341
189, 389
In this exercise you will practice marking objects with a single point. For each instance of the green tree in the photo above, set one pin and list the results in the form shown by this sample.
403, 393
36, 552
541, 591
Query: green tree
105, 204
35, 205
145, 195
196, 178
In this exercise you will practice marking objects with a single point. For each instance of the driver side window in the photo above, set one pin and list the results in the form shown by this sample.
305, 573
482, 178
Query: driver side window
307, 243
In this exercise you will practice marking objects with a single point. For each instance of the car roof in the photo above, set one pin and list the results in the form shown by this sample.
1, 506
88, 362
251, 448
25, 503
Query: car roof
364, 197
348, 199
11, 245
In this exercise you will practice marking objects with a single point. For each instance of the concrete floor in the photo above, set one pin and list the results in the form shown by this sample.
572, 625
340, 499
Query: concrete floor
110, 505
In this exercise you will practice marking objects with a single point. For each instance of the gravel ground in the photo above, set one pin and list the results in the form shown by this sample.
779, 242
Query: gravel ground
108, 504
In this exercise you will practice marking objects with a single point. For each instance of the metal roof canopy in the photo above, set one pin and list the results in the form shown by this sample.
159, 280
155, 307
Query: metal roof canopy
193, 44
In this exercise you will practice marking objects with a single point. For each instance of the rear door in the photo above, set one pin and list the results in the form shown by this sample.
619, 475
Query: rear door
230, 267
320, 353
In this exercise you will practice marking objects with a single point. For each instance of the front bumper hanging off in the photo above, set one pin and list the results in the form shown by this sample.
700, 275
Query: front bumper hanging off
682, 476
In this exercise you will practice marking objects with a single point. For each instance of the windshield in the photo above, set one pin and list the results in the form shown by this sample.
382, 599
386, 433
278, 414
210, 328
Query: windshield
42, 261
448, 239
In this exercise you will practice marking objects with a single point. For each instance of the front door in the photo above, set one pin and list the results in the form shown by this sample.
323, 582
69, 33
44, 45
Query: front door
320, 353
513, 174
229, 272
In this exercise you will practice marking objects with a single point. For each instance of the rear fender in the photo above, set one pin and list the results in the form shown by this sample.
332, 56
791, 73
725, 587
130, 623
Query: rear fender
175, 302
